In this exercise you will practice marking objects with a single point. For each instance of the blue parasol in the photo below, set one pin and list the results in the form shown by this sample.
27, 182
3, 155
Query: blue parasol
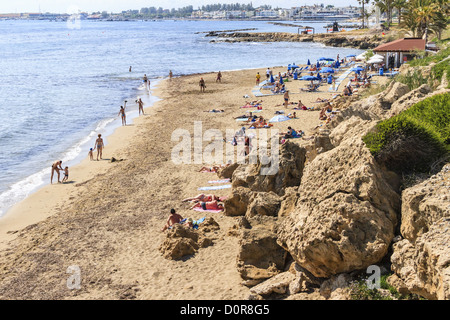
351, 55
326, 70
272, 80
309, 63
281, 80
309, 78
325, 59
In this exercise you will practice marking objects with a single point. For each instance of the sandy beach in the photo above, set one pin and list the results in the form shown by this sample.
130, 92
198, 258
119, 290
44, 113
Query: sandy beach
107, 219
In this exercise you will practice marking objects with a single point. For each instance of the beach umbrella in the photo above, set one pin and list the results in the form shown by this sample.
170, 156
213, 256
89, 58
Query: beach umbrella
294, 67
279, 118
358, 69
281, 80
326, 70
337, 65
351, 55
309, 78
309, 63
362, 56
372, 60
325, 59
272, 80
318, 65
377, 56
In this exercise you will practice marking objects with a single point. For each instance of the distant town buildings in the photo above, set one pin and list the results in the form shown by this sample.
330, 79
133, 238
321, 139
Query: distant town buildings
310, 12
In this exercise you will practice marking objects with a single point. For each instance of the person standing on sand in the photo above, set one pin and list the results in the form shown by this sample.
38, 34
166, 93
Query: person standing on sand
173, 219
170, 74
286, 98
66, 174
56, 166
219, 77
123, 115
202, 85
99, 146
141, 106
258, 78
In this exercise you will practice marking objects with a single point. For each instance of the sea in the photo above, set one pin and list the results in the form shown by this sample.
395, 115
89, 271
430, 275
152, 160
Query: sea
62, 83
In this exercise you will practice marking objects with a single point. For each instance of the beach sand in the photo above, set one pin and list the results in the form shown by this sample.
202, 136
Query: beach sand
107, 219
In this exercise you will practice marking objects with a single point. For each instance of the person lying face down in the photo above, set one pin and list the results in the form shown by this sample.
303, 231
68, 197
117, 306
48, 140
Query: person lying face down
210, 205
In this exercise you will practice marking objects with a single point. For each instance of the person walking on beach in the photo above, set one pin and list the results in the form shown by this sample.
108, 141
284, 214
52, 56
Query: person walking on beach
99, 145
286, 98
145, 80
170, 74
123, 115
129, 69
258, 78
141, 106
219, 77
56, 167
268, 72
202, 85
173, 219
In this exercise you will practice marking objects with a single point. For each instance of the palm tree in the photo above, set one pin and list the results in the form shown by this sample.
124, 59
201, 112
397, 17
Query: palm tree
386, 6
399, 5
426, 13
363, 12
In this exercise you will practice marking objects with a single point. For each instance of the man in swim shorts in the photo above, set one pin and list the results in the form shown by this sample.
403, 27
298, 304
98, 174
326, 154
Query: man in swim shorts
202, 85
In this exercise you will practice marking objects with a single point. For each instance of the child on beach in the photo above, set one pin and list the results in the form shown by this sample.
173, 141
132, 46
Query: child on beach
91, 154
66, 174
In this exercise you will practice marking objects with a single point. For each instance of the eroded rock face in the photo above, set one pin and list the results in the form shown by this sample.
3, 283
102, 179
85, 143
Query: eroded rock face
289, 173
182, 241
346, 214
423, 268
260, 257
421, 261
424, 204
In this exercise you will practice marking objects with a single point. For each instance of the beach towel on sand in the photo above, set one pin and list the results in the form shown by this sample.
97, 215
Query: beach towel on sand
201, 210
226, 186
219, 181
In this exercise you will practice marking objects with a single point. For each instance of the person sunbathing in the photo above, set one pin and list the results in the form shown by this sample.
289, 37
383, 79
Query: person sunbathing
244, 116
202, 198
292, 116
214, 168
210, 205
214, 110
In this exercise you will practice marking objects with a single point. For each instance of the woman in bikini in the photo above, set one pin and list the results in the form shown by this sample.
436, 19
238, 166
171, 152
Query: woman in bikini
122, 114
56, 167
202, 198
210, 205
99, 145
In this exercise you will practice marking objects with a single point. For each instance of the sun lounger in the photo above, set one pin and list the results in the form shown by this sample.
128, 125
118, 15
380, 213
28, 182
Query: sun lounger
226, 186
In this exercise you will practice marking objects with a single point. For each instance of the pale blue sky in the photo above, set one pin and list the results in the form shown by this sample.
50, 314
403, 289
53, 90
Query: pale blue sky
64, 6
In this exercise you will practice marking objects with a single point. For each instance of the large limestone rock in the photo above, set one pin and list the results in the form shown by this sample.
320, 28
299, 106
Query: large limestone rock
423, 268
346, 214
289, 173
425, 203
260, 257
352, 127
409, 99
421, 261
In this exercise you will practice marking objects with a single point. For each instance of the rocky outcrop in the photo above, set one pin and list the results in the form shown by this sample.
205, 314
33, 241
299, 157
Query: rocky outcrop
421, 261
328, 39
182, 241
423, 268
288, 174
260, 257
424, 204
346, 214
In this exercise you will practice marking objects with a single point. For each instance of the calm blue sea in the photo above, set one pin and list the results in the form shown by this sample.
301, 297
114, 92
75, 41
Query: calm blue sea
61, 84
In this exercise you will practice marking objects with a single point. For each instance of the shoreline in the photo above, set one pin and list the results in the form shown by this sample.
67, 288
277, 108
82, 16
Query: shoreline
108, 220
15, 216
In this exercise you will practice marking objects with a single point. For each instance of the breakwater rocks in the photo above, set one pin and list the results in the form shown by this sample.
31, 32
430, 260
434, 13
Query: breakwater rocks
328, 39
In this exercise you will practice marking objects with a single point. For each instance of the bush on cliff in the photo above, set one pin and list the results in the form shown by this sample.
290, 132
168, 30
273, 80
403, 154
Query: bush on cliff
414, 139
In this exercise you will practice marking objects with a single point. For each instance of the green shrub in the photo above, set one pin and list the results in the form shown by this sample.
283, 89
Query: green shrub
414, 139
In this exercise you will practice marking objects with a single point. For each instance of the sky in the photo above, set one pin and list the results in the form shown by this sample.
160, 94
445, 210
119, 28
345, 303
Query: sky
67, 6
